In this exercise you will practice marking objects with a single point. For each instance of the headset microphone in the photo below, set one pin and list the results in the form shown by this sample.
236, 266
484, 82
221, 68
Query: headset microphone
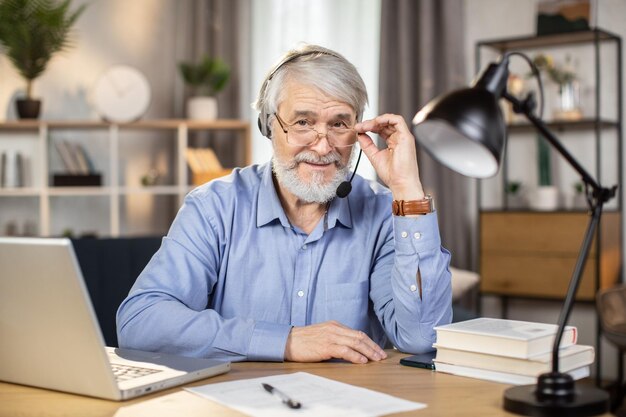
345, 187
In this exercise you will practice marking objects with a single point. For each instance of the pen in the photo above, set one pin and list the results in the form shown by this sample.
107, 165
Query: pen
291, 403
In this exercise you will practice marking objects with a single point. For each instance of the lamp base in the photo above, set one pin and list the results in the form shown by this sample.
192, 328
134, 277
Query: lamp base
585, 401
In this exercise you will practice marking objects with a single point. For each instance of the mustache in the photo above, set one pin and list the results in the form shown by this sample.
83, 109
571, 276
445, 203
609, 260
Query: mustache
313, 158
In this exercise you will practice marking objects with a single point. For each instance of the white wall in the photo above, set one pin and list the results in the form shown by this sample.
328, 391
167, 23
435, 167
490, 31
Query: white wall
140, 33
493, 19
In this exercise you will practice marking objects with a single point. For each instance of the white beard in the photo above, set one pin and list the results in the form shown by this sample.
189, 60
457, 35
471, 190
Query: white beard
316, 190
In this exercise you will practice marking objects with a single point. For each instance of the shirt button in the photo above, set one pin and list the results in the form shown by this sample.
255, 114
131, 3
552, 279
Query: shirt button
417, 235
404, 234
300, 293
304, 247
413, 287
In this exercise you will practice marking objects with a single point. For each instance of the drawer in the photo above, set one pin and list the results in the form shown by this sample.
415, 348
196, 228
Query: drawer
534, 276
533, 232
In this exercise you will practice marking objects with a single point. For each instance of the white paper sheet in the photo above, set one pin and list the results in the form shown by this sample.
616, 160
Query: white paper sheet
319, 397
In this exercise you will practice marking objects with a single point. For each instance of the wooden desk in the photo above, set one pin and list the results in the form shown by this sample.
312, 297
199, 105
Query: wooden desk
446, 395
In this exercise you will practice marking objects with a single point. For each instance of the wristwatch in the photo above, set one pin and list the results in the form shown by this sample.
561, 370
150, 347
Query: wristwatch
406, 208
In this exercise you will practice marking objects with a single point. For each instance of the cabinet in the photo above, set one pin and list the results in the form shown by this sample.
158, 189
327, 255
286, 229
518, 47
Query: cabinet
121, 205
528, 253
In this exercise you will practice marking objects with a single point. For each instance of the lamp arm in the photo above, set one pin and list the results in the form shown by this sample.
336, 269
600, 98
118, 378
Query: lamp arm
574, 283
599, 196
522, 107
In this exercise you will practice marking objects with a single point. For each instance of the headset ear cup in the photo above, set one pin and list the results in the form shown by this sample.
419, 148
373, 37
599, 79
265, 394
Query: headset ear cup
265, 132
258, 122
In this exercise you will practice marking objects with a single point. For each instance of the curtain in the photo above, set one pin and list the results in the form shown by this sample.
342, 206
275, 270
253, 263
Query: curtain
421, 56
220, 29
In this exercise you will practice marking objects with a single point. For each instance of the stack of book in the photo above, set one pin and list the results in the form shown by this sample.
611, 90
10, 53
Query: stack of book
14, 170
508, 351
204, 165
79, 168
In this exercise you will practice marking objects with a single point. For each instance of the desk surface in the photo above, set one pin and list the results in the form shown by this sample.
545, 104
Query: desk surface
445, 395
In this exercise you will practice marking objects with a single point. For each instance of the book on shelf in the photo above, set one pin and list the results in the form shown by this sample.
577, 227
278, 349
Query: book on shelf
204, 165
74, 157
503, 377
203, 160
3, 170
79, 156
83, 155
13, 170
19, 170
518, 339
570, 358
65, 152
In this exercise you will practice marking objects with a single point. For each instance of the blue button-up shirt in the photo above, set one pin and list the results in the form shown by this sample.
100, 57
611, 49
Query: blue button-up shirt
233, 276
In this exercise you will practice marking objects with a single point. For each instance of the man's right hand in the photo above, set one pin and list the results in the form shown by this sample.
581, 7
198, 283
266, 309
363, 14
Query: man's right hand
328, 340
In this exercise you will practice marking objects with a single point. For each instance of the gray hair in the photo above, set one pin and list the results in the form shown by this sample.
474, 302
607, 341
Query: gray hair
316, 66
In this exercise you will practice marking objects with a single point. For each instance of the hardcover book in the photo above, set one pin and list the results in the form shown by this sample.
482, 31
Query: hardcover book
570, 358
503, 377
517, 339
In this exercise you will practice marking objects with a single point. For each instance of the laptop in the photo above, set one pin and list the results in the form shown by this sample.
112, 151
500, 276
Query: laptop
50, 337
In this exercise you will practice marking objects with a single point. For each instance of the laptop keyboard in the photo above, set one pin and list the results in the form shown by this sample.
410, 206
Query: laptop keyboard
126, 372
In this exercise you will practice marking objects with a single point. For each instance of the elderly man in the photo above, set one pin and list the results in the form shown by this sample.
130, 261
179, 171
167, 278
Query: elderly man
268, 264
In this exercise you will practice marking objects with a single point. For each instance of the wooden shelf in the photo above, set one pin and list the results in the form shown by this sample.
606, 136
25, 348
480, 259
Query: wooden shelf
529, 42
20, 192
166, 124
152, 190
559, 211
79, 191
562, 126
180, 186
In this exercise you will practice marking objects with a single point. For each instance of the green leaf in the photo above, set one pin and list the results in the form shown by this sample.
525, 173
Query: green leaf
208, 76
543, 162
32, 31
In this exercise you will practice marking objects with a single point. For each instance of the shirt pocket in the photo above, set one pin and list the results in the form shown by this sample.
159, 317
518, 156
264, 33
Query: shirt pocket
347, 303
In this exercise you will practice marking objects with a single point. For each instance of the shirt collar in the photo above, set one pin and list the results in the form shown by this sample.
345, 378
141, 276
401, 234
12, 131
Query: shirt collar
268, 204
270, 209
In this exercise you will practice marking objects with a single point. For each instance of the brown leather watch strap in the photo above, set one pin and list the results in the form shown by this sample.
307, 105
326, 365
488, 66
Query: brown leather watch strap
410, 207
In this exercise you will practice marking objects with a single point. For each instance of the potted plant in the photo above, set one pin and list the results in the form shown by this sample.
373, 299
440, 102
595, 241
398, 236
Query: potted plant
206, 78
546, 195
580, 197
31, 32
515, 199
568, 105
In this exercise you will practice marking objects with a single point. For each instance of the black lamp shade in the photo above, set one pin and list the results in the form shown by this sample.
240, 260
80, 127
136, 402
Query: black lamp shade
463, 130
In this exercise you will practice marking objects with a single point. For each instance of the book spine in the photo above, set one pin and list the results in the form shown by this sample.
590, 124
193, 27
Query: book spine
80, 158
19, 170
91, 168
3, 170
66, 157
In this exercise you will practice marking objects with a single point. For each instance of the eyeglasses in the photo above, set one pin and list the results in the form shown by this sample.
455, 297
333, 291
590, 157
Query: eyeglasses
302, 133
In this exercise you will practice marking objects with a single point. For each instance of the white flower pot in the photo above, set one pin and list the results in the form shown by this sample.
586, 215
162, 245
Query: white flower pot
202, 108
545, 198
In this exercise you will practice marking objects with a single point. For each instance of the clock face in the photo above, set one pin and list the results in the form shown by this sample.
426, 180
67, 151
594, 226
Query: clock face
121, 94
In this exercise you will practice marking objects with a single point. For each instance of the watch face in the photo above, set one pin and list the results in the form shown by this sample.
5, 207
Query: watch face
121, 94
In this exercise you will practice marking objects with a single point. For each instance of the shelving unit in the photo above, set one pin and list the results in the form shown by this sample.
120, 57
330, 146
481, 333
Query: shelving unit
114, 187
526, 254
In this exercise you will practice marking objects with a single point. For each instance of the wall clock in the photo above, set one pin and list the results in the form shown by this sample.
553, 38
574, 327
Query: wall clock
121, 94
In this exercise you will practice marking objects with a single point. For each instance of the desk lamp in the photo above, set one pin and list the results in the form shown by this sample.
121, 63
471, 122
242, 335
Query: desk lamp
465, 131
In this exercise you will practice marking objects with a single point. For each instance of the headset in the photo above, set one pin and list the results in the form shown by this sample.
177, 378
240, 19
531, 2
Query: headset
345, 187
263, 118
